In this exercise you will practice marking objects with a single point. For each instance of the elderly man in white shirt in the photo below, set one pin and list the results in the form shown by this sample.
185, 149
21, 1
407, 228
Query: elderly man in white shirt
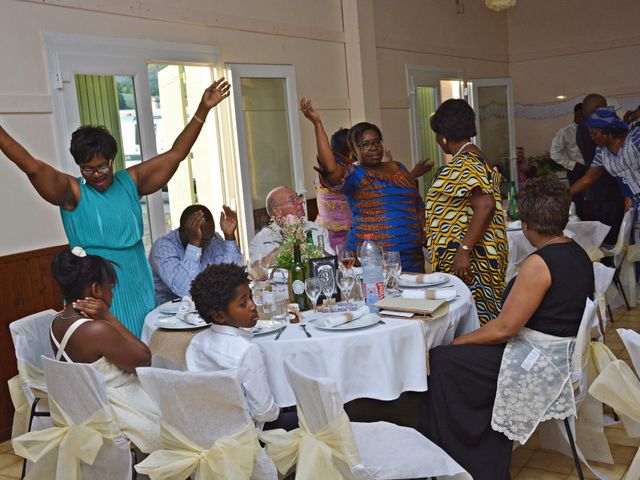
565, 152
283, 201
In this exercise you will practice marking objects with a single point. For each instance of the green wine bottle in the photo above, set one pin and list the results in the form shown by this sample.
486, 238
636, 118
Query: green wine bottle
513, 208
297, 279
309, 237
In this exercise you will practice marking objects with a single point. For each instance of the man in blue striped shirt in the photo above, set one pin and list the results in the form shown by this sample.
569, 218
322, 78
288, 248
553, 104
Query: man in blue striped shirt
177, 257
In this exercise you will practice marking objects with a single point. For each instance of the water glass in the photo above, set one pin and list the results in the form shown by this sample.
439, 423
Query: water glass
313, 289
394, 267
345, 280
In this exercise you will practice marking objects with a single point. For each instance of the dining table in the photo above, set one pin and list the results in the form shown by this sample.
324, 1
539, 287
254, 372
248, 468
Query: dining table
380, 360
588, 234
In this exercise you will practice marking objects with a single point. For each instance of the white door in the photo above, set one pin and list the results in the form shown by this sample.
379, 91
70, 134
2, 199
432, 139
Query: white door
130, 61
492, 100
269, 147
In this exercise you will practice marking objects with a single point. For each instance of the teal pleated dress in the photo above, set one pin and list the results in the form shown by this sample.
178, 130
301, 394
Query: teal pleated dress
109, 224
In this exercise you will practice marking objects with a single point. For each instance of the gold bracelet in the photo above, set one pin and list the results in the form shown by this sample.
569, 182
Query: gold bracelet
197, 118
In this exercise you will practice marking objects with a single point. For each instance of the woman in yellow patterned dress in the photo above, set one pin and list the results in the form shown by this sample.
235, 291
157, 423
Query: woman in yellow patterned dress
465, 228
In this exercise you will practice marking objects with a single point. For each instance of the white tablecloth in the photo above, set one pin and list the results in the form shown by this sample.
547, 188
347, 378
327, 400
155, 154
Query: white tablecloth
586, 234
380, 361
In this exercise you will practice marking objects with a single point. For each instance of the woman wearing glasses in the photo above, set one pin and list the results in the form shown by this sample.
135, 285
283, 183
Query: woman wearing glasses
383, 196
101, 209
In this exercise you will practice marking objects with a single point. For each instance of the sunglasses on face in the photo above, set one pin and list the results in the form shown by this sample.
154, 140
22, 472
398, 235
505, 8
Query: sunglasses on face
100, 170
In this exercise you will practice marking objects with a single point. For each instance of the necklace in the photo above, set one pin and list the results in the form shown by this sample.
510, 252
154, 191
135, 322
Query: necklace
68, 318
462, 148
552, 240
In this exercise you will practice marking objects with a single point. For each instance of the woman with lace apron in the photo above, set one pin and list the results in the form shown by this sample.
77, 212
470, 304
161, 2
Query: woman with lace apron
536, 328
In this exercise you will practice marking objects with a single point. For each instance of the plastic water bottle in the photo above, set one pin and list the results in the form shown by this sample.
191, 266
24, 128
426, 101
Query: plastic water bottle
372, 278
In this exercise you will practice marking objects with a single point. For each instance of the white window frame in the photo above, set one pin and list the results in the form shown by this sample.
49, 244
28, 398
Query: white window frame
68, 54
287, 72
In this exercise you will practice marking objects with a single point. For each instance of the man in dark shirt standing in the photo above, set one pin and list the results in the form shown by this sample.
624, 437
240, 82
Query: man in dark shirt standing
603, 201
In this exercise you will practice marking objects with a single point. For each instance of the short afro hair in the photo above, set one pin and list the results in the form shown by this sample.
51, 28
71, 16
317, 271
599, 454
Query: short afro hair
90, 141
544, 204
215, 287
455, 120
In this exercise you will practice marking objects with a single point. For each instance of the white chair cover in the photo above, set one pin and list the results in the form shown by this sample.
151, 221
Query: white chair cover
30, 337
321, 411
631, 341
203, 413
618, 387
86, 442
603, 277
625, 256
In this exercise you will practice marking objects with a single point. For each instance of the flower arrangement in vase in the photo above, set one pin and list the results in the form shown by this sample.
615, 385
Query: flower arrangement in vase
293, 233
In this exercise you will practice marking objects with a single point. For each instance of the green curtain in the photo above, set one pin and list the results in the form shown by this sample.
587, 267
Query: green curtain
98, 105
426, 97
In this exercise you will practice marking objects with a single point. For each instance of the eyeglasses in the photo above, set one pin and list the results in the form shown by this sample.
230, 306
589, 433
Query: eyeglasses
101, 170
292, 200
366, 146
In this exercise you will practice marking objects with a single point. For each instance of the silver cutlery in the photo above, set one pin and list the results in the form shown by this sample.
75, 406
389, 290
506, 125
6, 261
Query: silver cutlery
304, 329
279, 333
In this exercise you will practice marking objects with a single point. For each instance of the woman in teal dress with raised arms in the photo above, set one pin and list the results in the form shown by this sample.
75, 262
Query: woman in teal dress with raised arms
101, 210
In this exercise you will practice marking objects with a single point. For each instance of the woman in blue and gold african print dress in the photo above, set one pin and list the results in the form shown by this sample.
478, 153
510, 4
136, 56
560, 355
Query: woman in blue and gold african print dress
465, 228
383, 196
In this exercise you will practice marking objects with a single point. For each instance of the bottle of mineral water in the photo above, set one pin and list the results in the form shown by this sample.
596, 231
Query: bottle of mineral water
372, 278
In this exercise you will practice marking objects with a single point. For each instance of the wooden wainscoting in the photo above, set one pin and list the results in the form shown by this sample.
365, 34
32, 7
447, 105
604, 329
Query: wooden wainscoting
26, 286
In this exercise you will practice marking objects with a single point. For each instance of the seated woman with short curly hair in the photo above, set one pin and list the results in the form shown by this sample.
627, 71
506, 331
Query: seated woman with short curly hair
545, 302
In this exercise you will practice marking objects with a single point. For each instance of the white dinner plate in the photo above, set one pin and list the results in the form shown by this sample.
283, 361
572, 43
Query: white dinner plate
266, 326
362, 322
443, 279
171, 309
172, 323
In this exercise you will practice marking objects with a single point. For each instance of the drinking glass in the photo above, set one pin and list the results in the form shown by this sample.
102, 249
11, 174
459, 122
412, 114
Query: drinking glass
345, 280
394, 266
347, 258
327, 282
312, 288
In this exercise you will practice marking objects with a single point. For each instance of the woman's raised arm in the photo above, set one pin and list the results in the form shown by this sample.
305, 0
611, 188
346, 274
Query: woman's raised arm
331, 171
54, 186
151, 175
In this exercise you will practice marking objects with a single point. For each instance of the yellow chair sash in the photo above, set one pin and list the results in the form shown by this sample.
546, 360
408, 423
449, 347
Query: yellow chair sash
21, 406
232, 456
75, 442
313, 453
618, 387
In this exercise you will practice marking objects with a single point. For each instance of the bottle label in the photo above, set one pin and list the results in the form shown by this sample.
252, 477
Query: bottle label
297, 286
373, 292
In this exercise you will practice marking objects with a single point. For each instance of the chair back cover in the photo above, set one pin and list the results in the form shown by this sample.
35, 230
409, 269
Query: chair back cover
580, 353
623, 238
80, 391
603, 276
631, 341
203, 406
316, 395
31, 341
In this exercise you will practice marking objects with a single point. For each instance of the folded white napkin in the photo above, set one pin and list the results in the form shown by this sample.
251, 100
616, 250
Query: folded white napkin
422, 278
345, 317
431, 294
187, 313
514, 224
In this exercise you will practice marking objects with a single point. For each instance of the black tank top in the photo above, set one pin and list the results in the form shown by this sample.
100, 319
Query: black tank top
572, 282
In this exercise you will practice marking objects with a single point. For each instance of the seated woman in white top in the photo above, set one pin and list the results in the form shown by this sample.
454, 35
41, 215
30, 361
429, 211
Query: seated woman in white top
223, 299
86, 332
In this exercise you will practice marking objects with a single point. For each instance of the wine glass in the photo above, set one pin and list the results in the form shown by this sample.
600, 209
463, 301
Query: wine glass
312, 288
347, 258
394, 266
327, 282
345, 280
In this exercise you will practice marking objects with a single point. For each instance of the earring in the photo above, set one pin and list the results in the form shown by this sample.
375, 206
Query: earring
83, 180
444, 140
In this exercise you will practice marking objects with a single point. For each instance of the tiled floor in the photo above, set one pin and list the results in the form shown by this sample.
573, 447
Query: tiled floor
528, 462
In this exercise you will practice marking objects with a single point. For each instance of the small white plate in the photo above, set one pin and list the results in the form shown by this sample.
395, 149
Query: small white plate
362, 322
169, 308
172, 323
266, 326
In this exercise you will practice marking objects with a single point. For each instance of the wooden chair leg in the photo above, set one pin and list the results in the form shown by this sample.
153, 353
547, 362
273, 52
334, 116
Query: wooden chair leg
567, 426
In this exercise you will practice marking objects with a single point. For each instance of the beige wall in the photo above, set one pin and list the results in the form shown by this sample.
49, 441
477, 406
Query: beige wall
570, 47
430, 33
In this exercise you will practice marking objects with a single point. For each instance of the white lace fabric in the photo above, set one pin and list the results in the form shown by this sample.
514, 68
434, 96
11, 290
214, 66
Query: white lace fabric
534, 384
